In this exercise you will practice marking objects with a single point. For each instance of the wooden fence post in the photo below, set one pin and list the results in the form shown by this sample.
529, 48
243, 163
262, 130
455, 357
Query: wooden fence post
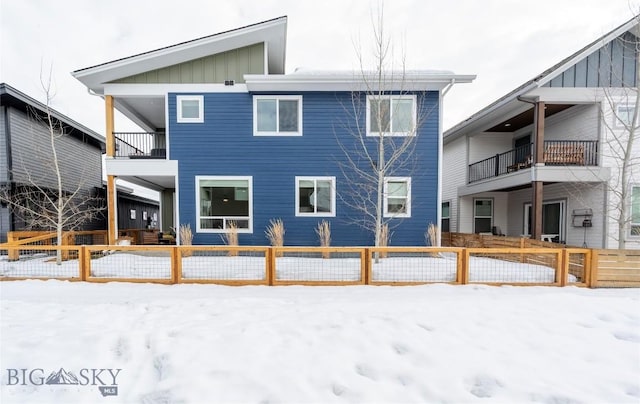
86, 267
81, 253
271, 265
465, 268
176, 264
12, 254
593, 281
563, 258
365, 256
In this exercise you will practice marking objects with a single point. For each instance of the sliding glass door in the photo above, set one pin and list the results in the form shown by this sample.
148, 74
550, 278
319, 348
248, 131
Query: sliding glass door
553, 220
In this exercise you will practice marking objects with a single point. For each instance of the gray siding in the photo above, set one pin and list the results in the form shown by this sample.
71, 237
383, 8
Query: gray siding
613, 65
5, 223
230, 65
80, 163
4, 171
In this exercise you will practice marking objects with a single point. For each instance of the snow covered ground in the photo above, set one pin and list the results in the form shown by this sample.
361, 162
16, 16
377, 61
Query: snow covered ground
356, 344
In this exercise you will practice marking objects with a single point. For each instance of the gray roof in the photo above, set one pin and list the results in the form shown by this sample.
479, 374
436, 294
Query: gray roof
9, 95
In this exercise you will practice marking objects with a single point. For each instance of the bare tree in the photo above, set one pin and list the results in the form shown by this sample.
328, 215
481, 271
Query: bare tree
54, 202
621, 112
384, 120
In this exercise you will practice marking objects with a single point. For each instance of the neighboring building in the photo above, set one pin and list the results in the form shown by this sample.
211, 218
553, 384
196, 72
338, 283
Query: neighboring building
551, 146
136, 212
231, 137
25, 154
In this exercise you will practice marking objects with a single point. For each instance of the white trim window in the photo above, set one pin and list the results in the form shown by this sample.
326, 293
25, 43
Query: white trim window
635, 211
316, 196
393, 115
221, 200
482, 215
190, 108
277, 115
553, 219
623, 115
445, 221
397, 197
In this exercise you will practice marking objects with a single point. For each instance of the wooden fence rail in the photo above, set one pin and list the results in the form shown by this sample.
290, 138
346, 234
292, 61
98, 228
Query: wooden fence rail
324, 266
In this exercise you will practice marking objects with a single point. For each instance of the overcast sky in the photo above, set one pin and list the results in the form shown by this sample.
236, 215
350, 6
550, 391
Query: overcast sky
504, 42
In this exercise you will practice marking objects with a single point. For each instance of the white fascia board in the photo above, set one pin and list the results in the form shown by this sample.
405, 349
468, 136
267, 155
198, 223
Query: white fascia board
161, 90
351, 82
565, 95
142, 167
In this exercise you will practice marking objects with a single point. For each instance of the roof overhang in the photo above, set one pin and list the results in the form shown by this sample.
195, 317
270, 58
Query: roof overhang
355, 81
272, 33
511, 102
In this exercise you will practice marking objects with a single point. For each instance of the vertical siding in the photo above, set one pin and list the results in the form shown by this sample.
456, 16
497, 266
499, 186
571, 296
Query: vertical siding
125, 206
225, 145
612, 65
80, 163
230, 65
5, 222
454, 175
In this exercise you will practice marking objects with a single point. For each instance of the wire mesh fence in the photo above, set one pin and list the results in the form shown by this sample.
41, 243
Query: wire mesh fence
415, 265
513, 266
40, 261
234, 265
129, 263
293, 265
578, 266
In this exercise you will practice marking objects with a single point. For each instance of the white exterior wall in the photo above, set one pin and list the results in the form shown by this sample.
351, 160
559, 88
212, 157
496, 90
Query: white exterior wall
576, 196
612, 133
576, 123
454, 174
500, 210
488, 145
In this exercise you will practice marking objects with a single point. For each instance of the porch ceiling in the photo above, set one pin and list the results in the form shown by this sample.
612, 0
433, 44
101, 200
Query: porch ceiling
526, 118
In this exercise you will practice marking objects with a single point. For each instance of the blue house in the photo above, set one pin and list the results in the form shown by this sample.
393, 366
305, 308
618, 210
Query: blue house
228, 137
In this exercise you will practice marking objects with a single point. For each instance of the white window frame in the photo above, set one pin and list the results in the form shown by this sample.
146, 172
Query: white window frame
180, 118
443, 217
249, 180
563, 217
633, 224
277, 98
617, 121
482, 217
315, 180
392, 97
385, 211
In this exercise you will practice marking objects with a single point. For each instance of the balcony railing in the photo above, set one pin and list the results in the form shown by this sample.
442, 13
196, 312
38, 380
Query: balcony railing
140, 145
556, 152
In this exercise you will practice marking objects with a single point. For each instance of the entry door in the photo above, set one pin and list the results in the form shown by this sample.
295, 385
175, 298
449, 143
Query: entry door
553, 219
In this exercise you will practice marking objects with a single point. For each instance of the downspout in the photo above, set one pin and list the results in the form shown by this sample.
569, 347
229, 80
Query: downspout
440, 157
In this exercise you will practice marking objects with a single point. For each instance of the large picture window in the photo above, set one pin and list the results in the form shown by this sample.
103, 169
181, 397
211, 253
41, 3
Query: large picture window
482, 215
190, 108
397, 197
315, 196
222, 200
391, 115
635, 211
277, 115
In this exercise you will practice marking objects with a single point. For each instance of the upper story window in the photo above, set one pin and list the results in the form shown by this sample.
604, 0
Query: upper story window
397, 197
391, 115
277, 115
315, 196
190, 108
624, 115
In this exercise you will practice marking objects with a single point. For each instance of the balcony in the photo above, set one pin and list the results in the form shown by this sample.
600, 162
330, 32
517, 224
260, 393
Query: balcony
140, 145
556, 153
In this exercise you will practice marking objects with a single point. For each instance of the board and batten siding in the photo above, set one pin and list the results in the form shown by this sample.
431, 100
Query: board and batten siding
454, 175
80, 162
224, 145
230, 65
612, 65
